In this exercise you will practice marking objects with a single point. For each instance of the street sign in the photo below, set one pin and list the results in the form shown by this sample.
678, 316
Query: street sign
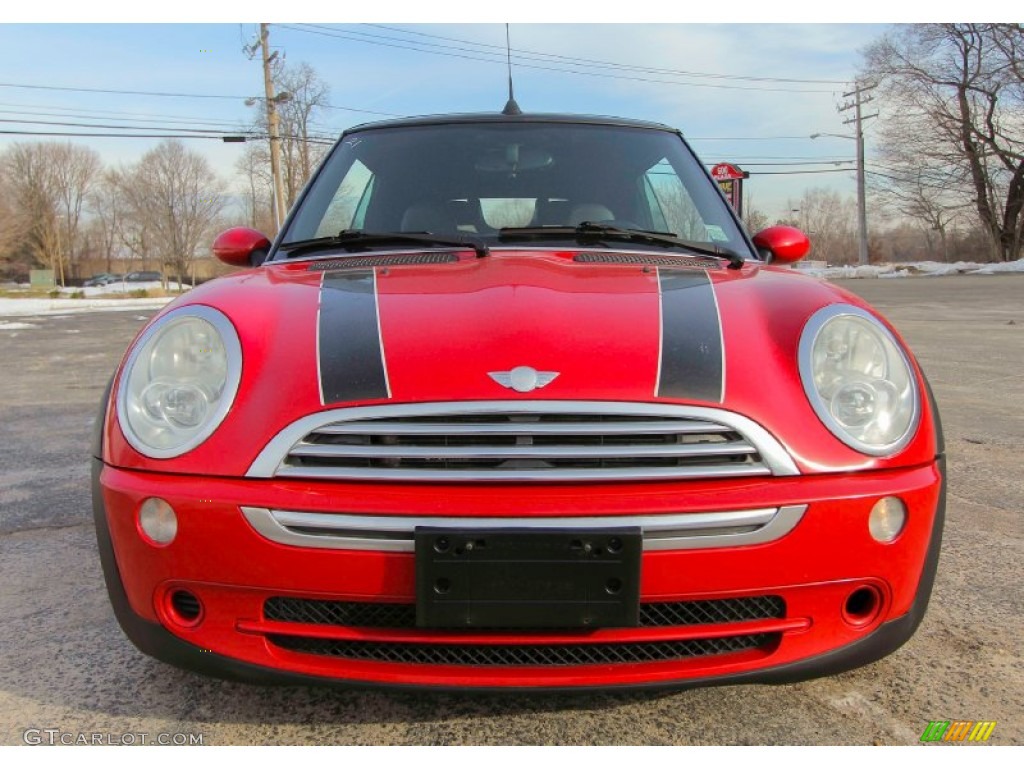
730, 179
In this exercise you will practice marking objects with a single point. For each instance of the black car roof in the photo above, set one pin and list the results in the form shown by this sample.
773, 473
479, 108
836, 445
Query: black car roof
497, 117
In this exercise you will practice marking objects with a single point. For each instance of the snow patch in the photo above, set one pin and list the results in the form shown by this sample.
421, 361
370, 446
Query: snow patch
39, 307
122, 288
1004, 266
16, 326
912, 269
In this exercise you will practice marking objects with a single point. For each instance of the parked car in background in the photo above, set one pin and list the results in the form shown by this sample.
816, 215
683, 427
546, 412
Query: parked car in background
101, 279
143, 277
514, 401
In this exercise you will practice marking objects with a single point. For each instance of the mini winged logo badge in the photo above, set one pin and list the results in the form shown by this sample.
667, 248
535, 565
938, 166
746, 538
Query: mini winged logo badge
523, 378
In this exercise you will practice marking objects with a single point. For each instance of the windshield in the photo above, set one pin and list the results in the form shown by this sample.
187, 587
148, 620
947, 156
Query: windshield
478, 178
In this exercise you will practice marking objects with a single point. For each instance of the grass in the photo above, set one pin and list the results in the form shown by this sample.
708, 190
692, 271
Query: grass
78, 293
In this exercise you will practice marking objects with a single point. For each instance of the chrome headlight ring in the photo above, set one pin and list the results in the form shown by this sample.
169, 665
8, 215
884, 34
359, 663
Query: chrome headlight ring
179, 381
859, 380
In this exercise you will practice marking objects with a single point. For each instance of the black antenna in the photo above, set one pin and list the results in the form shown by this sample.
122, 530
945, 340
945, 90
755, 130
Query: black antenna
511, 108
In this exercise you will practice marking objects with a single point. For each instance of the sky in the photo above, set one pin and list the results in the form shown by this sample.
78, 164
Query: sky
756, 93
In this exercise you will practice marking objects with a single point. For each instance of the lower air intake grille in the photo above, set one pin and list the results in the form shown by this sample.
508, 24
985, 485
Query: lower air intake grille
522, 655
300, 611
712, 611
403, 615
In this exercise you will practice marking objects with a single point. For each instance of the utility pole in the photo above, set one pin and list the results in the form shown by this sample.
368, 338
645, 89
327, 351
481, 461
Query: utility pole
859, 100
273, 125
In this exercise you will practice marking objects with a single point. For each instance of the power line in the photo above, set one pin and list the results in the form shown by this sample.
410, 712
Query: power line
817, 158
247, 132
482, 56
175, 95
74, 114
97, 114
596, 62
111, 90
116, 127
929, 184
744, 138
793, 173
112, 135
218, 136
71, 113
748, 164
92, 113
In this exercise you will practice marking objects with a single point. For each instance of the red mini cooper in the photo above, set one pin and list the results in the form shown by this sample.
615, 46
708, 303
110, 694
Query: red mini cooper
514, 401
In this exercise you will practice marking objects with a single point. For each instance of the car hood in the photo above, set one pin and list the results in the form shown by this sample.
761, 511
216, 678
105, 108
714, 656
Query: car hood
336, 333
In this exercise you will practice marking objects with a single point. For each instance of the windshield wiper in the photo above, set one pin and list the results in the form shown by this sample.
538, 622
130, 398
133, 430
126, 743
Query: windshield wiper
359, 240
589, 232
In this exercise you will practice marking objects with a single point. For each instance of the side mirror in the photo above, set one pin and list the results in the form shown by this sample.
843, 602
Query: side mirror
783, 244
241, 247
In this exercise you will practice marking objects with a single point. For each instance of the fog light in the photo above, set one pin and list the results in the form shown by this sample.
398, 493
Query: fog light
158, 521
887, 519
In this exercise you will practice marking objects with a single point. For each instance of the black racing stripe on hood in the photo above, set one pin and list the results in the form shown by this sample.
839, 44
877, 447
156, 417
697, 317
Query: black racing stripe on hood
349, 343
692, 364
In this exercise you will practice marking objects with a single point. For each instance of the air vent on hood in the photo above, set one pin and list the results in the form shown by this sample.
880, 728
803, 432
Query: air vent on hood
652, 259
390, 260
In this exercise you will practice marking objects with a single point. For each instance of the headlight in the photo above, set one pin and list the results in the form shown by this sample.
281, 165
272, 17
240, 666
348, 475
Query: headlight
179, 382
859, 380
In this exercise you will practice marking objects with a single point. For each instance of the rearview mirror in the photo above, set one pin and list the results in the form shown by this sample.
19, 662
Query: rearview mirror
241, 247
782, 244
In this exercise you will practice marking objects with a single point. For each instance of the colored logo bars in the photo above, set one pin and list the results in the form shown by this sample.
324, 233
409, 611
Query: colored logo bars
958, 730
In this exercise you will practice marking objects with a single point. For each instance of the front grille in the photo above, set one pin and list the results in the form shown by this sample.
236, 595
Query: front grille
523, 655
653, 260
403, 615
565, 442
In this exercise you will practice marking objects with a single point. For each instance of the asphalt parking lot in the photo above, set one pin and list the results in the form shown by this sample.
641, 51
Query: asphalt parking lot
64, 663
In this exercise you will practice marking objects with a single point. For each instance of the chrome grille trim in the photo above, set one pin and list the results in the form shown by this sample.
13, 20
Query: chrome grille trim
524, 428
521, 475
394, 533
313, 447
517, 451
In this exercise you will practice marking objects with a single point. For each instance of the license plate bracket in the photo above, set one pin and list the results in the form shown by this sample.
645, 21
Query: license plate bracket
527, 579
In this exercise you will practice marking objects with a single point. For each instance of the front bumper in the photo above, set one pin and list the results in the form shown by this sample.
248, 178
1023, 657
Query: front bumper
233, 570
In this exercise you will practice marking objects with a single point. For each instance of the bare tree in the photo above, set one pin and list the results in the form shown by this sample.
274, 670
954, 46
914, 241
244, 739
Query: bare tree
75, 169
753, 217
933, 208
308, 95
48, 183
30, 179
918, 182
106, 204
173, 199
830, 222
257, 189
957, 90
301, 148
14, 256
